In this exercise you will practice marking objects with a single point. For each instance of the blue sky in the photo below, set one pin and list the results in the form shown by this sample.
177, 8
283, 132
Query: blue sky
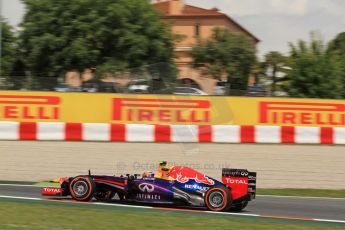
275, 22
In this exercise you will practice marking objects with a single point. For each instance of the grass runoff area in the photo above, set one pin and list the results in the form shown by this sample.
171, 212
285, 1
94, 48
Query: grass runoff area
36, 215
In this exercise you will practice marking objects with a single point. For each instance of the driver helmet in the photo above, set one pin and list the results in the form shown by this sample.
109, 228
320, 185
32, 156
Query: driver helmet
163, 170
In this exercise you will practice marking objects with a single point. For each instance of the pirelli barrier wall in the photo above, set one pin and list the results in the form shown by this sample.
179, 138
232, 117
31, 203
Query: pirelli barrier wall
153, 118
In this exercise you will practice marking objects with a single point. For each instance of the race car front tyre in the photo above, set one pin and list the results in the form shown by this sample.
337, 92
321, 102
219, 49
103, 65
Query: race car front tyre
82, 188
218, 199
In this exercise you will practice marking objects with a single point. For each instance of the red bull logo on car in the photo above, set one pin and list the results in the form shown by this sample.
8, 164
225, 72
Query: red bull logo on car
184, 174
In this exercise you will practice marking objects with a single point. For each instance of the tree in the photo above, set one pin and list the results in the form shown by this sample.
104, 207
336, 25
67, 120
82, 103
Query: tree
338, 44
8, 48
315, 73
275, 66
108, 34
337, 47
225, 54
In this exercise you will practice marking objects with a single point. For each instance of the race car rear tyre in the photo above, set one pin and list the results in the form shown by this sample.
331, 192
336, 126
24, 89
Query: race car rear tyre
239, 207
82, 188
218, 199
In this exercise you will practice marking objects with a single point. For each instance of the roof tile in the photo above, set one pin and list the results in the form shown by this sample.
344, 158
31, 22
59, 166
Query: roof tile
188, 10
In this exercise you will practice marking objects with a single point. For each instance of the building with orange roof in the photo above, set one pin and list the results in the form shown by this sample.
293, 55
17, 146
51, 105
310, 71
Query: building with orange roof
194, 23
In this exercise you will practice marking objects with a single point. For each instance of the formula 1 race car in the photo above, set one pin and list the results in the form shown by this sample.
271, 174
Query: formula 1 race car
176, 185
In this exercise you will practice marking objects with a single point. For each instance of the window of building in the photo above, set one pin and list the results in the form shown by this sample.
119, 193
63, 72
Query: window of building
197, 30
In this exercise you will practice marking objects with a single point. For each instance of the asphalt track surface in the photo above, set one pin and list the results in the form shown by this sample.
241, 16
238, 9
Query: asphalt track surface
278, 166
275, 206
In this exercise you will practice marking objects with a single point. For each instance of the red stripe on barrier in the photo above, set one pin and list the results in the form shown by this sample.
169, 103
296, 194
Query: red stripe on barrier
205, 133
287, 134
118, 132
73, 132
162, 133
27, 131
327, 136
247, 134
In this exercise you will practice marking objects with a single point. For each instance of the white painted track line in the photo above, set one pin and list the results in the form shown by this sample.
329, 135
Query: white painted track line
20, 185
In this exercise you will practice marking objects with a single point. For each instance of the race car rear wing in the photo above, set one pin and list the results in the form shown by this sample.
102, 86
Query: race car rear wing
241, 182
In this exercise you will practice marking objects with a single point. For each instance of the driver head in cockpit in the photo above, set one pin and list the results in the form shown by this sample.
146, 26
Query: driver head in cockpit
163, 170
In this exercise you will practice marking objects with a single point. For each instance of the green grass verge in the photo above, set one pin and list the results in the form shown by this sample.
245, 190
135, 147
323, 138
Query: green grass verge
16, 182
303, 192
35, 215
47, 184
